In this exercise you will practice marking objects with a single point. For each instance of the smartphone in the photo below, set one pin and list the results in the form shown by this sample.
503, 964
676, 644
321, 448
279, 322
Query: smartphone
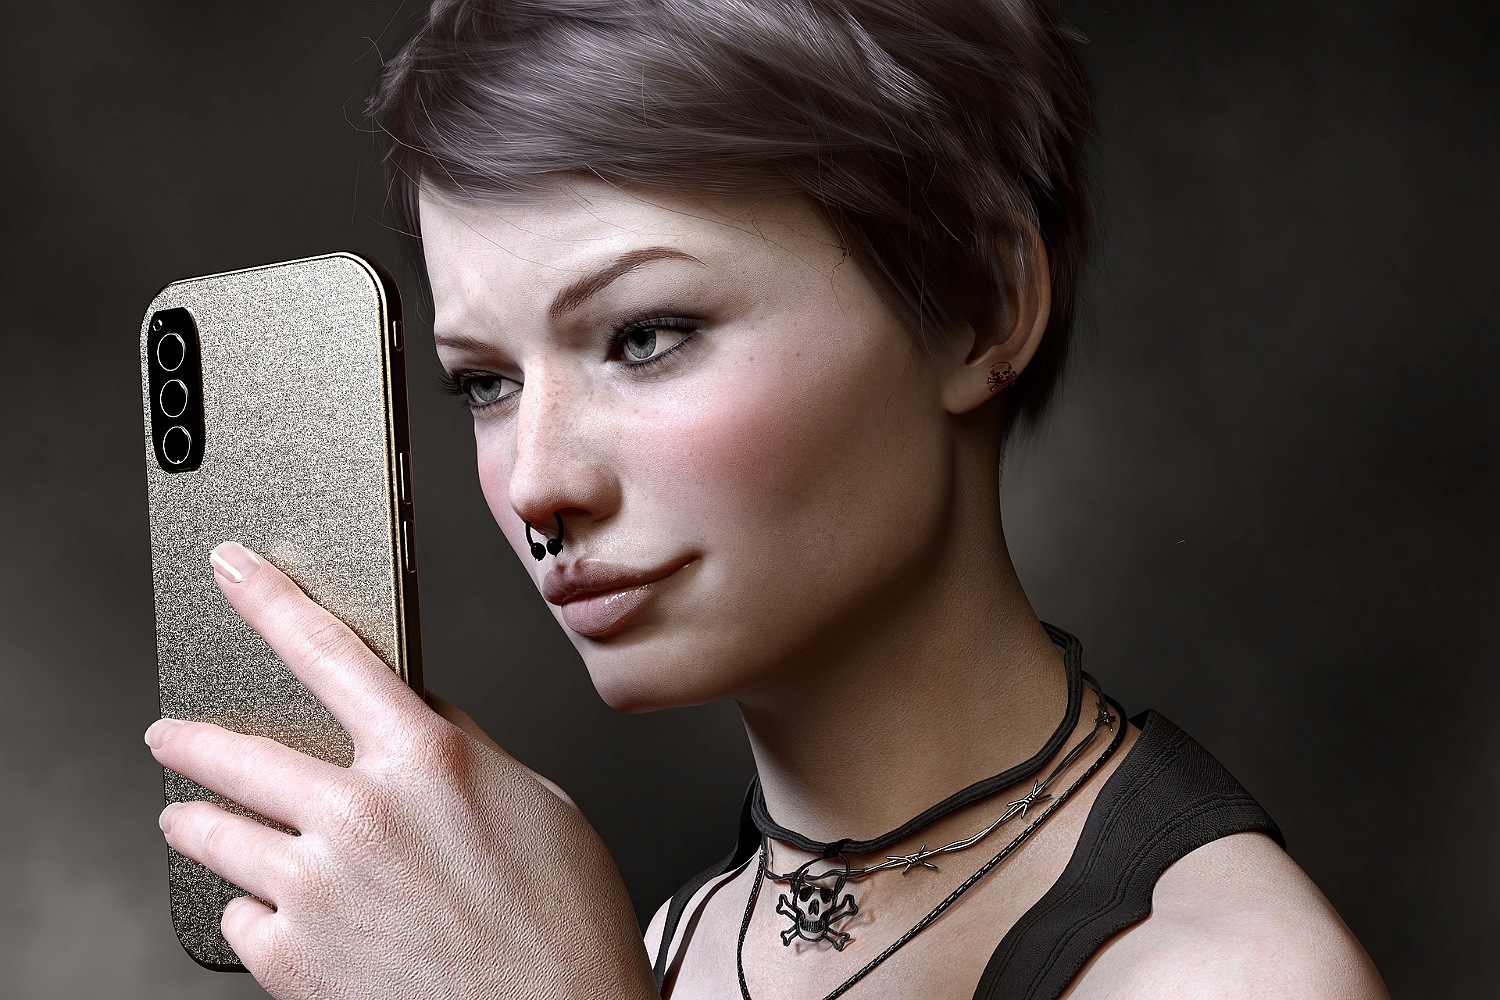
275, 415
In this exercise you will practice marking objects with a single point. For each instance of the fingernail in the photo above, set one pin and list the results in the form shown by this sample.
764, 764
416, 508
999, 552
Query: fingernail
157, 734
233, 563
165, 819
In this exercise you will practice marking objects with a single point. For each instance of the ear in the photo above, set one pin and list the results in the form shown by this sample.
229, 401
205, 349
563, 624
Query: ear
1009, 333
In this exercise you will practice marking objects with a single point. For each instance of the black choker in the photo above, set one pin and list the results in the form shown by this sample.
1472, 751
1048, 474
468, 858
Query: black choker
818, 922
1072, 664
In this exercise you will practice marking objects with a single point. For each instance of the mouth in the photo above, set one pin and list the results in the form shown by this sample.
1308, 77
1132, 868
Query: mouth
599, 599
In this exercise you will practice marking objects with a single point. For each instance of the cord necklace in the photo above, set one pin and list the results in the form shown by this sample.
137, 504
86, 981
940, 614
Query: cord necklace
823, 907
1018, 807
1072, 651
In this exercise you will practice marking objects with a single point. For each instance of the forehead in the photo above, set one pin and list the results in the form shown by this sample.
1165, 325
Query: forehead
575, 210
535, 244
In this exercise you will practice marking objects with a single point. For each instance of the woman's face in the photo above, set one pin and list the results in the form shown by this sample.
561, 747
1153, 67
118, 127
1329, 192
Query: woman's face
746, 447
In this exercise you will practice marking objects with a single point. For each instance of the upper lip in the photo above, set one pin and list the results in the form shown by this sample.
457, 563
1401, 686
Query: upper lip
588, 577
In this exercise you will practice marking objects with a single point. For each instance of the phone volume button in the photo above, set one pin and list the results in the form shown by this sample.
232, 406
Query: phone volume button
408, 553
403, 485
396, 334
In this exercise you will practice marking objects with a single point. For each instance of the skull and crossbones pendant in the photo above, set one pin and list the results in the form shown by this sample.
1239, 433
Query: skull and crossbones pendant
814, 909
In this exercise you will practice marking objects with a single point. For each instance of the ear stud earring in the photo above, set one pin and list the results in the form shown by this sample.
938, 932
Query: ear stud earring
998, 380
554, 545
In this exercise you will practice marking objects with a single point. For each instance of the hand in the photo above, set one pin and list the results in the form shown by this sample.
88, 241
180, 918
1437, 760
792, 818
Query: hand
434, 866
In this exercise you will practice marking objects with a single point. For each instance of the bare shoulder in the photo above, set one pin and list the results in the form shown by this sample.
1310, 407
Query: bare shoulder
654, 930
1235, 918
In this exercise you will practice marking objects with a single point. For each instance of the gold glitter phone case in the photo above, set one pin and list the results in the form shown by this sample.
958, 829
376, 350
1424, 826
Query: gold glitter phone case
275, 415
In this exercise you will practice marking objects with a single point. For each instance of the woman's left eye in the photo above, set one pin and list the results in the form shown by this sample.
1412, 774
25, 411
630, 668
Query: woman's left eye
647, 341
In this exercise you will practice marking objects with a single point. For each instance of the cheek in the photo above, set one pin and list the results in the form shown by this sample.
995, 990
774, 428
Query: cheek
731, 444
820, 450
771, 453
733, 454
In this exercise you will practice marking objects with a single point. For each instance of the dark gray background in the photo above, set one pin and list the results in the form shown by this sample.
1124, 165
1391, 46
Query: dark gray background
1266, 507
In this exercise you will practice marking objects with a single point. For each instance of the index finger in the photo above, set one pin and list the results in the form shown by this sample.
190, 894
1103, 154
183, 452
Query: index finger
361, 691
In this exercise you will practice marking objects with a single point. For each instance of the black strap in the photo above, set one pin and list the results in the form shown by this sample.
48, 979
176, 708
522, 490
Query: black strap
1072, 651
744, 848
1168, 797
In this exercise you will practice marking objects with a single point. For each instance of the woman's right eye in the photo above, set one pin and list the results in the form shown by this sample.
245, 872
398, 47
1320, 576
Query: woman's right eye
481, 389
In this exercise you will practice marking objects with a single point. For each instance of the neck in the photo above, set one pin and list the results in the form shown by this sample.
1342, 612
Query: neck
945, 683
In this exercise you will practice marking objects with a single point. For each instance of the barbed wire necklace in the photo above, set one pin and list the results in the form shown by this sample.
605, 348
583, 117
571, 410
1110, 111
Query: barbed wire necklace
814, 907
1018, 807
1072, 655
823, 906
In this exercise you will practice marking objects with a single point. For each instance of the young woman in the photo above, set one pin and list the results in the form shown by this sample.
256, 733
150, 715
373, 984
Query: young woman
747, 298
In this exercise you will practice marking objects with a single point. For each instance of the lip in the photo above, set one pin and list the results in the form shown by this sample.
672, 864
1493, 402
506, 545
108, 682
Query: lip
599, 598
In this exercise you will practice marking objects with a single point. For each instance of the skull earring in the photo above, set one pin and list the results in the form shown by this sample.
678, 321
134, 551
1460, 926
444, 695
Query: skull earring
554, 545
998, 380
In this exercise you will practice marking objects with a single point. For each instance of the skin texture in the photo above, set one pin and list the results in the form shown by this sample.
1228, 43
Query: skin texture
832, 489
820, 495
390, 889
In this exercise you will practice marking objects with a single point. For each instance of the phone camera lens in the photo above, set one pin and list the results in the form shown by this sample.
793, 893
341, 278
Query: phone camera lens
174, 398
176, 444
170, 352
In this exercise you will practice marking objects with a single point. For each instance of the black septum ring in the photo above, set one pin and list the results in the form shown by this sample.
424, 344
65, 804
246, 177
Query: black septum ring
554, 545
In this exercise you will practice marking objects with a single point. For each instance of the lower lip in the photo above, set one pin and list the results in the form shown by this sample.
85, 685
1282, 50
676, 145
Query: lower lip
605, 614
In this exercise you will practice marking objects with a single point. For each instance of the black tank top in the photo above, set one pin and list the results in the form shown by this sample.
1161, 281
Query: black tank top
1168, 797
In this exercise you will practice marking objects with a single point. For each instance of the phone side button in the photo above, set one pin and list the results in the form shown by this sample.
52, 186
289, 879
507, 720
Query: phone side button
396, 334
408, 552
403, 487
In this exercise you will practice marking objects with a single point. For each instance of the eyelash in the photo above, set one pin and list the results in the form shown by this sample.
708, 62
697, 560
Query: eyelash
458, 383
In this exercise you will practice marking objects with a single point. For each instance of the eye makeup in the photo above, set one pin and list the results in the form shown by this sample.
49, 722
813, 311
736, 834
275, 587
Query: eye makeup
481, 390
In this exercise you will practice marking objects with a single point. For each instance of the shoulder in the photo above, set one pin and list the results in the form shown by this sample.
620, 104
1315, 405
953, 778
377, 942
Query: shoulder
654, 930
1235, 918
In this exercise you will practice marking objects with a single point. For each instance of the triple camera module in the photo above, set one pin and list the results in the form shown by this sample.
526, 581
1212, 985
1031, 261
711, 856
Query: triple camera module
175, 381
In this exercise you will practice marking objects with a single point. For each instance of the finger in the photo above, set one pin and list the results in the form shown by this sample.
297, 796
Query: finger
354, 684
248, 925
258, 773
254, 857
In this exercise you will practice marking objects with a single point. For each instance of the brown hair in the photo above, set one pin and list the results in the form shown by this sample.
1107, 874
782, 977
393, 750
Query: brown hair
932, 134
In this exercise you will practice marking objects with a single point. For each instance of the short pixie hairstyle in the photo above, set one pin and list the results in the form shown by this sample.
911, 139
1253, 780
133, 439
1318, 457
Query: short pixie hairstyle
934, 135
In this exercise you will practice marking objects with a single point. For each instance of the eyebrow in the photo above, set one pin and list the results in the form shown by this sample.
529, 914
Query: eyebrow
575, 294
580, 291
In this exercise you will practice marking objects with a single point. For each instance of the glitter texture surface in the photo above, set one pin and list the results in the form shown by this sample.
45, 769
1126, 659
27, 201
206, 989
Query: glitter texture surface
305, 410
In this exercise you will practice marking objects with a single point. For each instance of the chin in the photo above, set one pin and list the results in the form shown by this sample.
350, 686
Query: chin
633, 694
633, 699
643, 680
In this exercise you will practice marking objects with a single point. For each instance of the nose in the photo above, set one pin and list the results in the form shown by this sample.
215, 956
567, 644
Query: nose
560, 476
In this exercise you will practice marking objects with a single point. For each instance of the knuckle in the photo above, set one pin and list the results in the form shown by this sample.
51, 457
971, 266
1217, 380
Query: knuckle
426, 746
257, 754
296, 871
322, 639
351, 812
215, 838
442, 746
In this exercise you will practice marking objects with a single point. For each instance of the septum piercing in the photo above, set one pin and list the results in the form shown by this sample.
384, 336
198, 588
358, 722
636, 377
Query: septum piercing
554, 545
